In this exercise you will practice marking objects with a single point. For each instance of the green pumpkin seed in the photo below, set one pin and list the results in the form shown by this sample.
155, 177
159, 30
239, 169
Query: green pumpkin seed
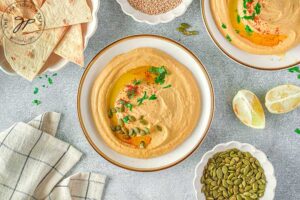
120, 122
131, 118
142, 145
144, 122
159, 128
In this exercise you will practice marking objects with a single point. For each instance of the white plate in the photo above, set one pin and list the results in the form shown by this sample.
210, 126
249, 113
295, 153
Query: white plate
265, 62
54, 62
154, 19
184, 56
259, 155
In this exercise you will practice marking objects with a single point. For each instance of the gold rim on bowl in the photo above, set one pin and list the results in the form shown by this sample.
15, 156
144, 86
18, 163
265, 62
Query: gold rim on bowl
86, 132
228, 54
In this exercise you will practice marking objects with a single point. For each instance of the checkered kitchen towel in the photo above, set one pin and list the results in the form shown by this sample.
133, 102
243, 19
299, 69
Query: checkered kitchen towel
33, 164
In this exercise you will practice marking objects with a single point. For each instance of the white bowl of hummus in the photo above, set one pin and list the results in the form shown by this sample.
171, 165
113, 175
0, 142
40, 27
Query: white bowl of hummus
261, 34
145, 103
270, 186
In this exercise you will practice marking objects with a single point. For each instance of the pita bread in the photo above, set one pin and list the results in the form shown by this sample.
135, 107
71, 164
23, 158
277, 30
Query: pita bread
71, 46
59, 13
27, 60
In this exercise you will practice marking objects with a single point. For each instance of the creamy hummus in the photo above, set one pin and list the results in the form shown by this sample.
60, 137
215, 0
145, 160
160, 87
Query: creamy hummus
145, 103
259, 26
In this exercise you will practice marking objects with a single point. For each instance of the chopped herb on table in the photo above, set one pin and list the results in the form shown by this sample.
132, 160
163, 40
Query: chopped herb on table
295, 70
36, 90
297, 131
183, 29
36, 102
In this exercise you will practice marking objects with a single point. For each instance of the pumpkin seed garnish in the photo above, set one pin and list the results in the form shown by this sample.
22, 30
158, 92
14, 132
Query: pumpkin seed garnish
159, 128
142, 145
233, 175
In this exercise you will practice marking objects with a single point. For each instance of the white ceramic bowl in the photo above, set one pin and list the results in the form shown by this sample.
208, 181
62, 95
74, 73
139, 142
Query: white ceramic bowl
184, 56
265, 62
55, 63
259, 155
154, 19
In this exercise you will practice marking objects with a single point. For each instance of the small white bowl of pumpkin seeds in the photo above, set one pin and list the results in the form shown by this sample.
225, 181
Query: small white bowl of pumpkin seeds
234, 171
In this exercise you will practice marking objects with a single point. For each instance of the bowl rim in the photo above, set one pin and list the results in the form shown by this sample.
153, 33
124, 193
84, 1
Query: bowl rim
92, 27
215, 41
170, 15
229, 145
80, 118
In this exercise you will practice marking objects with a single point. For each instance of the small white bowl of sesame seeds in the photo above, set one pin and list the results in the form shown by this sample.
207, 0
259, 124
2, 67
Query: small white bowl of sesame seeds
155, 11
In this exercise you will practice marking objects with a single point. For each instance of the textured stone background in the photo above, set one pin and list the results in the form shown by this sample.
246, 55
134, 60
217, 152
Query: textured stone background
277, 140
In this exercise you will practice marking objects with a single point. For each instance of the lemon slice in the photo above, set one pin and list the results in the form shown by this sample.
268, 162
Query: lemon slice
283, 99
248, 109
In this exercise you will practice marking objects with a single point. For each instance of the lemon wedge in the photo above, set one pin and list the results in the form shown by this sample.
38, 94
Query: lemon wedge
248, 109
283, 99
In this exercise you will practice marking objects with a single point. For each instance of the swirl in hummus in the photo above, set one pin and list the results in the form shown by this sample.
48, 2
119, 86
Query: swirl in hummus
259, 26
145, 103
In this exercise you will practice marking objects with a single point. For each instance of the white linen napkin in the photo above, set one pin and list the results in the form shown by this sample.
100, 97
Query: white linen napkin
33, 163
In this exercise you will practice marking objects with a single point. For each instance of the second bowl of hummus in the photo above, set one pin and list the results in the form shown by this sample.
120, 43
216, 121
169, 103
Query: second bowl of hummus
262, 34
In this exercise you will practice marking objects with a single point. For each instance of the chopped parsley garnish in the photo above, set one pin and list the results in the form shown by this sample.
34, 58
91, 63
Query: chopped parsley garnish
129, 106
257, 8
250, 17
294, 69
248, 29
50, 81
224, 26
36, 102
36, 90
161, 73
228, 38
245, 12
152, 97
297, 131
168, 86
238, 18
126, 119
140, 100
136, 82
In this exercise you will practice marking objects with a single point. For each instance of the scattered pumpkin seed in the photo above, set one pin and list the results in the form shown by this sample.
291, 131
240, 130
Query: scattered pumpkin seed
158, 127
142, 145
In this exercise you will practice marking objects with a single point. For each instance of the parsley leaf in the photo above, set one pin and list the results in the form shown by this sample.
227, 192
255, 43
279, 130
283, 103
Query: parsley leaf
224, 26
36, 102
126, 119
228, 38
129, 106
238, 18
248, 29
50, 81
136, 82
36, 90
297, 131
161, 73
152, 97
294, 69
257, 8
140, 100
168, 86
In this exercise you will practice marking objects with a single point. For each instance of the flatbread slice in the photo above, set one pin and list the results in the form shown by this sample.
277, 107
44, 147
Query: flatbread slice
59, 13
28, 60
71, 46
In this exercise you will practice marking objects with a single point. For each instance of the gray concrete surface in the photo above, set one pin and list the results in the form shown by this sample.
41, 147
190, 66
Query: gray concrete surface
277, 140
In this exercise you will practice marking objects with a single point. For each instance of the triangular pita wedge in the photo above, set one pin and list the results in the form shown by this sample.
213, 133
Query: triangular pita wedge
58, 13
71, 46
38, 3
28, 60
